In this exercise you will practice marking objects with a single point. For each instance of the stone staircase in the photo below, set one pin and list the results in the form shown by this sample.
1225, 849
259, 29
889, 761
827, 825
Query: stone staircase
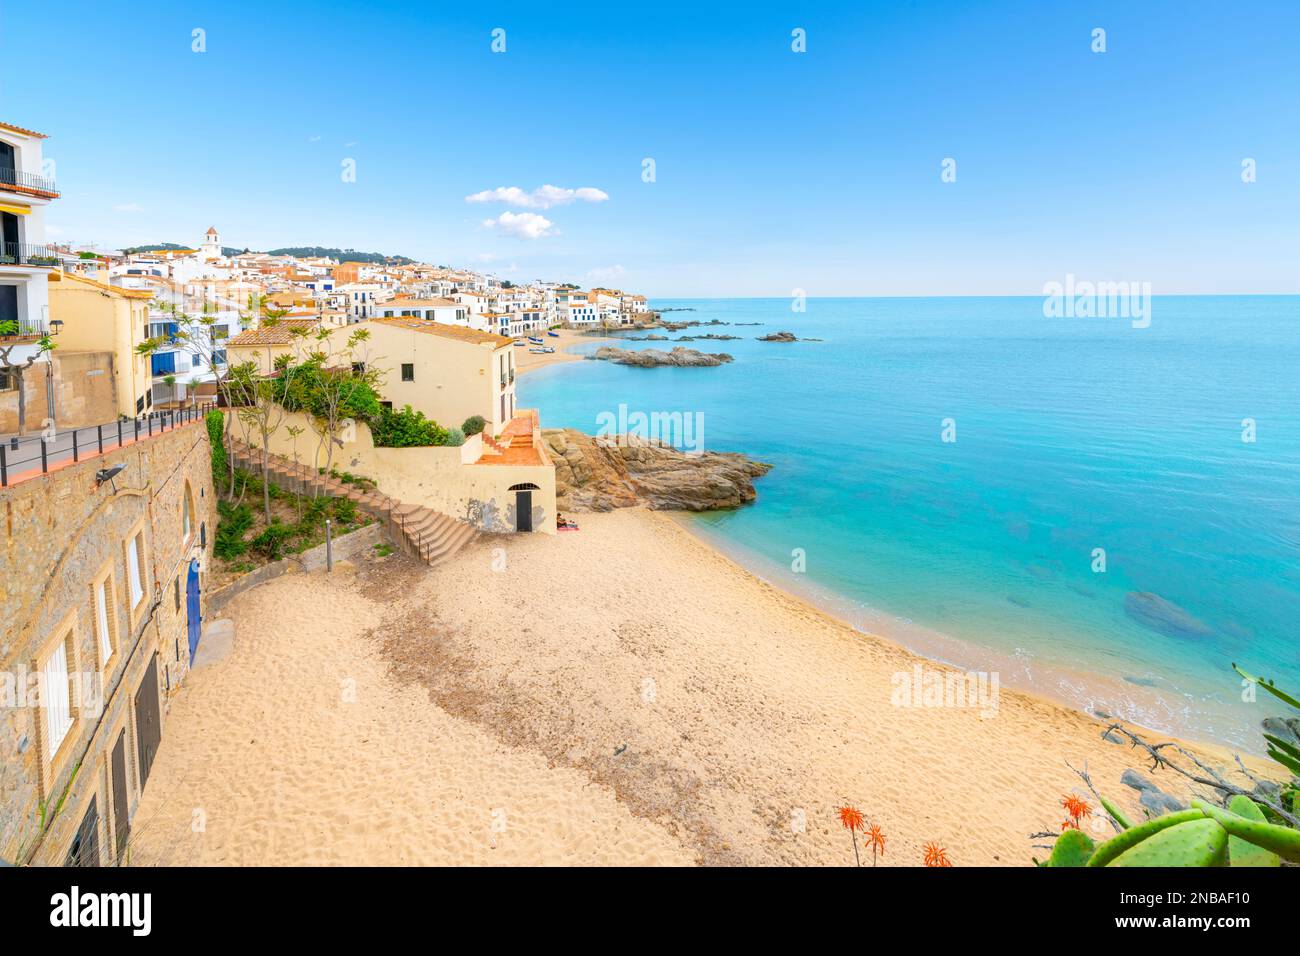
429, 535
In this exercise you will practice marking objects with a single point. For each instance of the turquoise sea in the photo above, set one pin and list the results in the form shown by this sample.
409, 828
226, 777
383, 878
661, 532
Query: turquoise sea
1072, 434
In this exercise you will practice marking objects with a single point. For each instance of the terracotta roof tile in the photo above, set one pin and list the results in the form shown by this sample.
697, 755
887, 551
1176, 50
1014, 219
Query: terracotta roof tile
472, 336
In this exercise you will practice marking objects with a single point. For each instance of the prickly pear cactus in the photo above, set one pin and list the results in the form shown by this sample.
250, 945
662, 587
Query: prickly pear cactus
1283, 841
1072, 848
1190, 843
1131, 837
1241, 852
1115, 814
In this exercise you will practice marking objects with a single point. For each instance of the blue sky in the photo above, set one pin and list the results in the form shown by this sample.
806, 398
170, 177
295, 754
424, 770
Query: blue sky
775, 170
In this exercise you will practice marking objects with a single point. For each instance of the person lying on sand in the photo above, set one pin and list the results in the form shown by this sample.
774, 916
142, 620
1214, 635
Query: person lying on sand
564, 524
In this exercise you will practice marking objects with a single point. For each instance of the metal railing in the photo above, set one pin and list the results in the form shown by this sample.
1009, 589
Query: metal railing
27, 181
20, 455
25, 254
21, 328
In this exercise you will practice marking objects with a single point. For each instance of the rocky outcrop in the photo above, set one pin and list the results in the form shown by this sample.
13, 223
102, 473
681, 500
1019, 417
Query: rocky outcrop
649, 358
784, 337
600, 474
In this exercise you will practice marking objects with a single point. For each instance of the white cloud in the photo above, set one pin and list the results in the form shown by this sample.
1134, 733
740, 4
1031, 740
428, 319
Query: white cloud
544, 197
603, 275
128, 207
523, 225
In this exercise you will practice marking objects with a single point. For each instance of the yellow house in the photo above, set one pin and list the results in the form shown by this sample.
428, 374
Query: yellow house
446, 371
98, 317
267, 343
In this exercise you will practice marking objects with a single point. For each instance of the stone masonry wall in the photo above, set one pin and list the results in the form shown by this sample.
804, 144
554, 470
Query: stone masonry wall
58, 533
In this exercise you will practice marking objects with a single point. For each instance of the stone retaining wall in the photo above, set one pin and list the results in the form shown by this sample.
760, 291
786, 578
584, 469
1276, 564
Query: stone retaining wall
313, 559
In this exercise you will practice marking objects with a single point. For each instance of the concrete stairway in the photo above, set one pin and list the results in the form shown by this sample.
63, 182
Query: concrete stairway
430, 535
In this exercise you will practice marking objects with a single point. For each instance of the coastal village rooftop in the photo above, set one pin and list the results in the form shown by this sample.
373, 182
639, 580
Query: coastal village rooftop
461, 334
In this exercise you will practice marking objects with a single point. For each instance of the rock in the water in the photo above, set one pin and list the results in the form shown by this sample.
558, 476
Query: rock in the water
1162, 616
784, 337
648, 358
1140, 681
606, 473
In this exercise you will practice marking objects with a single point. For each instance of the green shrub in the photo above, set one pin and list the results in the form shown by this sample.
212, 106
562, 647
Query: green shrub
216, 423
350, 479
473, 425
345, 510
232, 524
406, 429
316, 511
272, 539
312, 388
455, 437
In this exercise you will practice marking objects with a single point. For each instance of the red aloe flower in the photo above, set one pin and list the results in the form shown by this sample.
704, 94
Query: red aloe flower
875, 838
852, 820
1077, 810
936, 855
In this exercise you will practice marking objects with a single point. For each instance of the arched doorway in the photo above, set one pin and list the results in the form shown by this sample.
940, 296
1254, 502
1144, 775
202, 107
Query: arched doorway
524, 505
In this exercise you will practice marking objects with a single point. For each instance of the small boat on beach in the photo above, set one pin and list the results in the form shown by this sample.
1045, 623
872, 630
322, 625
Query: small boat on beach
542, 350
534, 340
520, 343
554, 335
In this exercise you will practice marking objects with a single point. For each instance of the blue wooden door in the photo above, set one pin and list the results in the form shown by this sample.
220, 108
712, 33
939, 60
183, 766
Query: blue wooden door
192, 606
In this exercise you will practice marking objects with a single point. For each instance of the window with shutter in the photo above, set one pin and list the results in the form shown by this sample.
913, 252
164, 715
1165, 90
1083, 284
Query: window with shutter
102, 601
133, 569
55, 699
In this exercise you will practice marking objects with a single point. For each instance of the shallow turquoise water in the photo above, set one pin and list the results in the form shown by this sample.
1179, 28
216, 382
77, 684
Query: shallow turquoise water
1071, 435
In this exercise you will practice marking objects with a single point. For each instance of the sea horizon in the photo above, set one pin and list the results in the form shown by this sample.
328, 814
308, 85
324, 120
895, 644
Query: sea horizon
1098, 474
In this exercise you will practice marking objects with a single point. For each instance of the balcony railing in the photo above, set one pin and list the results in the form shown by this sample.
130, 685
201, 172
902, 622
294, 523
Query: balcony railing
21, 328
27, 182
23, 254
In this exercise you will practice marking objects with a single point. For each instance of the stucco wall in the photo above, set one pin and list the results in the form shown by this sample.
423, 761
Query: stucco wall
453, 379
83, 392
434, 477
60, 531
84, 388
97, 320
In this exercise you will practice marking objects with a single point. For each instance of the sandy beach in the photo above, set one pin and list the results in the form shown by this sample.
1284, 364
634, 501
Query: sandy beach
526, 361
622, 694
